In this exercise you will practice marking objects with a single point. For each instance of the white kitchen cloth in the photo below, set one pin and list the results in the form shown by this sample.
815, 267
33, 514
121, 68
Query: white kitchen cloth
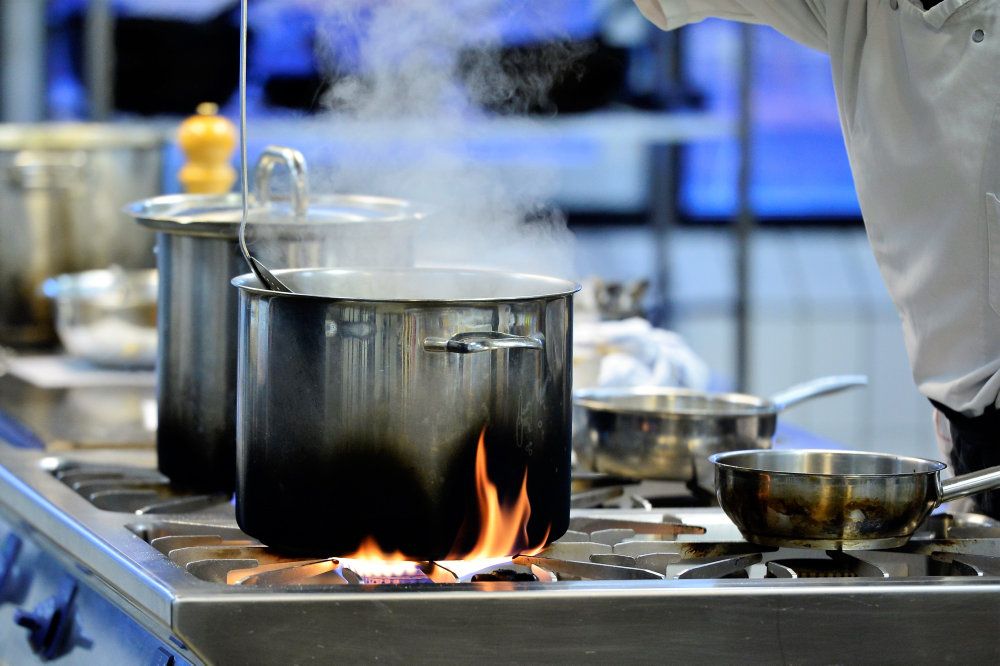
632, 352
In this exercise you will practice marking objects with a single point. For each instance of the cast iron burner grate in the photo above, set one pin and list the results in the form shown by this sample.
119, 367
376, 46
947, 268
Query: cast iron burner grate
132, 489
225, 555
593, 549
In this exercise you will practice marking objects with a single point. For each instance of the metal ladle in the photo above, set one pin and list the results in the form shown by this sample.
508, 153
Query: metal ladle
299, 202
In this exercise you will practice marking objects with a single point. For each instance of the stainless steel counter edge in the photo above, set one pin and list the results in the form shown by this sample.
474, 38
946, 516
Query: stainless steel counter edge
688, 625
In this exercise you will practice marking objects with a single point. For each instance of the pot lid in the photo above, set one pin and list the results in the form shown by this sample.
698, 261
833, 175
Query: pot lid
219, 215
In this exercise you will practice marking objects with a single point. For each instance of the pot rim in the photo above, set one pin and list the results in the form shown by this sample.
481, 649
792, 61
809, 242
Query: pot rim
934, 466
97, 283
249, 284
601, 400
64, 136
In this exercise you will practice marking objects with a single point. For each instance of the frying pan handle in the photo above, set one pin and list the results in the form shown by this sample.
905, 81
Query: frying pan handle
470, 343
970, 484
817, 387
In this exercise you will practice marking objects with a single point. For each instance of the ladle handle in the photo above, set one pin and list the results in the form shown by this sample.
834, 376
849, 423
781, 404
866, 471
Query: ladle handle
296, 164
471, 343
817, 387
244, 184
970, 484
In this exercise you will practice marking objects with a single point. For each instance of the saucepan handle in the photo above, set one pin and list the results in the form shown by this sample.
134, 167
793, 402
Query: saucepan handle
970, 484
473, 342
815, 388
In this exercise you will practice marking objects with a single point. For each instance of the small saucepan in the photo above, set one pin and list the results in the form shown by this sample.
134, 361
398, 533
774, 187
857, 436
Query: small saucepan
654, 432
835, 500
107, 317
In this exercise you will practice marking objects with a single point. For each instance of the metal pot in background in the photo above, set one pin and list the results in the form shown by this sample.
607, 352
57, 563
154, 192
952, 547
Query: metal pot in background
653, 432
62, 186
107, 317
363, 396
198, 255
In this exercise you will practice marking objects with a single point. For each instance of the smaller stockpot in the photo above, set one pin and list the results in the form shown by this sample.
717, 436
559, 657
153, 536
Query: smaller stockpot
197, 254
835, 500
652, 432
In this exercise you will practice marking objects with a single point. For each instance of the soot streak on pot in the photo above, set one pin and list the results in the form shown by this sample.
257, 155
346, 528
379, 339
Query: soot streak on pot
391, 503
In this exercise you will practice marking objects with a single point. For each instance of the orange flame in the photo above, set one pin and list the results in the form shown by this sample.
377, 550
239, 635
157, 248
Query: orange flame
502, 529
370, 560
370, 550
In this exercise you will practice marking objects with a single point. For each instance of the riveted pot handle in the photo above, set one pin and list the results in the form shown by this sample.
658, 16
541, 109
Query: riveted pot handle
296, 164
970, 484
471, 343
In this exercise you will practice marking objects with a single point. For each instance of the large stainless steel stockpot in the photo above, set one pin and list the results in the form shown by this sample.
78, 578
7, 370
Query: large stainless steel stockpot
656, 432
197, 256
62, 186
363, 396
835, 500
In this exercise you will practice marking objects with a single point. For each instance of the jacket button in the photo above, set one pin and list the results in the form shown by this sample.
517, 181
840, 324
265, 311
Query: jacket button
894, 4
978, 35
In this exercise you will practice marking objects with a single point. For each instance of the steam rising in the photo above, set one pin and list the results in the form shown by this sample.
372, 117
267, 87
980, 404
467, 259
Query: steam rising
413, 77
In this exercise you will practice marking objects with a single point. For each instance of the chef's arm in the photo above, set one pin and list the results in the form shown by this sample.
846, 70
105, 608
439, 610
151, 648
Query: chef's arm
802, 20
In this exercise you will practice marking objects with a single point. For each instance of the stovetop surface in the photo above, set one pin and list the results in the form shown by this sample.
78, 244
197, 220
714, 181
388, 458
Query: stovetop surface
624, 536
186, 543
631, 579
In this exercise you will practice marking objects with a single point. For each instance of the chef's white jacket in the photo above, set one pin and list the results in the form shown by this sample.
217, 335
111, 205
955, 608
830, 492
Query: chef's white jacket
919, 100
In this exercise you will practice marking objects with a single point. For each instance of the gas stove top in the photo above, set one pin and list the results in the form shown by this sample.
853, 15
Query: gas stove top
102, 561
600, 545
630, 581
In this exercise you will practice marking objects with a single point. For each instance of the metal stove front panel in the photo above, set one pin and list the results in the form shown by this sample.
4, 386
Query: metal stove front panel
55, 608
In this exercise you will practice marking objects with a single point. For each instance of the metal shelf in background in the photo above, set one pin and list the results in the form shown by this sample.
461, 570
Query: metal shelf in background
746, 217
22, 60
99, 57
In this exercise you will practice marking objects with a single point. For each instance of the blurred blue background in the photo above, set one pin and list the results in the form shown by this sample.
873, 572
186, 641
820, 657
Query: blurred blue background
800, 169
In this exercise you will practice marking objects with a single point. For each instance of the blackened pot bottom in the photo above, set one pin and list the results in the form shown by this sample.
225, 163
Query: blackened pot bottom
328, 504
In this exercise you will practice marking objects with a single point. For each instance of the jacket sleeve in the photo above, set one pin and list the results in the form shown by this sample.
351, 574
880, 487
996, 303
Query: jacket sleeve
802, 20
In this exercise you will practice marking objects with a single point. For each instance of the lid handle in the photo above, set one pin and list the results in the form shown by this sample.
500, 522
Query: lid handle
296, 164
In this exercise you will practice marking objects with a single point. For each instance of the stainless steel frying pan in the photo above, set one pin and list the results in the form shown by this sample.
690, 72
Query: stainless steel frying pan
656, 432
835, 500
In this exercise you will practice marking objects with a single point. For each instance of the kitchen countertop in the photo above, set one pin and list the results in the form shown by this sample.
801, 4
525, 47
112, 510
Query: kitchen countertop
58, 419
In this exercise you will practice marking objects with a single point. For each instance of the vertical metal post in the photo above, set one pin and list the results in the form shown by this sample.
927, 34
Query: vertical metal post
99, 58
745, 220
664, 211
663, 180
22, 60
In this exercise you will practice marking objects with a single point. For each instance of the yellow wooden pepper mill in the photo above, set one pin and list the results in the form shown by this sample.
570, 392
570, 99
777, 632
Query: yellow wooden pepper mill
208, 141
